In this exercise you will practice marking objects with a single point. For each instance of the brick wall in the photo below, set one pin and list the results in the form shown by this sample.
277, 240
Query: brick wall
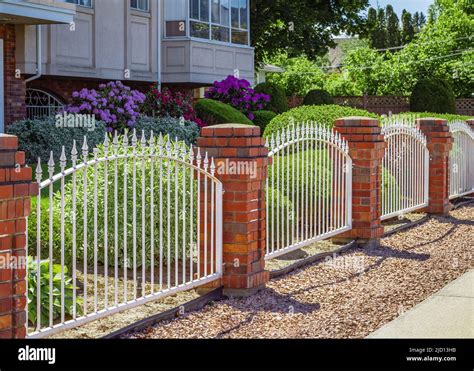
15, 191
14, 88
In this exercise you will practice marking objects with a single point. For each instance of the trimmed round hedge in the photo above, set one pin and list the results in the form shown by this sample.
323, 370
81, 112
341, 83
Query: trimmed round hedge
263, 118
317, 97
213, 112
433, 95
324, 115
278, 100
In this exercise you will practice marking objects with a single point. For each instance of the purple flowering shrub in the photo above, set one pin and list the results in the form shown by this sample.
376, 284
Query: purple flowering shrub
238, 93
117, 105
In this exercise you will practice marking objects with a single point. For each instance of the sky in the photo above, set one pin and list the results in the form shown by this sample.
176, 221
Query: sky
398, 5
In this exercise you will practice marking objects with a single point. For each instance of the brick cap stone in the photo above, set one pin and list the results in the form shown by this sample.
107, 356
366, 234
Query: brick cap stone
230, 130
428, 120
356, 121
230, 125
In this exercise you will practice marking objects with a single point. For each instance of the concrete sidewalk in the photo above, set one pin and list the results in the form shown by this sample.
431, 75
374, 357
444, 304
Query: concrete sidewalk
447, 314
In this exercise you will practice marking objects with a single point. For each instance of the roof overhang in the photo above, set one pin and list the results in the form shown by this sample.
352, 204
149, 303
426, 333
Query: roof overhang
30, 12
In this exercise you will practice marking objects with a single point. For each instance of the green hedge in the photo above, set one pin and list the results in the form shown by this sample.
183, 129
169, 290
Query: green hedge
213, 112
324, 115
433, 95
263, 118
278, 100
38, 137
317, 97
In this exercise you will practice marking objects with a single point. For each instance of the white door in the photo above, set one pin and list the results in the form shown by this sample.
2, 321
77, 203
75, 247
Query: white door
2, 98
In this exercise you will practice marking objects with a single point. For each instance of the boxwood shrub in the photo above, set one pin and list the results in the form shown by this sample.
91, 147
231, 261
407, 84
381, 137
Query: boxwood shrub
263, 118
317, 97
278, 100
213, 112
324, 115
433, 95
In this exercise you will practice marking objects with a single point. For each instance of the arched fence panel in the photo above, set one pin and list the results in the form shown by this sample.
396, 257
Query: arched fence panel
405, 170
40, 103
309, 188
133, 222
461, 160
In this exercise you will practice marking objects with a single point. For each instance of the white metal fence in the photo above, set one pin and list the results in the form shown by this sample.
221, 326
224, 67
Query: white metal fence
405, 169
134, 222
309, 188
461, 160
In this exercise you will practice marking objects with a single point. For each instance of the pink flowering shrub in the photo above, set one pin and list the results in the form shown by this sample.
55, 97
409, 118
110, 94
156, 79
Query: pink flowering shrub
238, 93
117, 105
172, 104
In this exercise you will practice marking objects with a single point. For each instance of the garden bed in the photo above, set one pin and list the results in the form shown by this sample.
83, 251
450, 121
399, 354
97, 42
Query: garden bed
347, 298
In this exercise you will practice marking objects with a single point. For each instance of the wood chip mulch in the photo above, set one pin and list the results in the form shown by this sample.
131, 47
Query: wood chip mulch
346, 297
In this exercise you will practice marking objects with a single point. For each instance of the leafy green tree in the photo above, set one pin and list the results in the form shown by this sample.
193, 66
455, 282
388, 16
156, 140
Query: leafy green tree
443, 49
304, 27
301, 75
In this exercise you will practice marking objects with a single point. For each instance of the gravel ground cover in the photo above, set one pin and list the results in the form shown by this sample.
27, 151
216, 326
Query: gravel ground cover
346, 297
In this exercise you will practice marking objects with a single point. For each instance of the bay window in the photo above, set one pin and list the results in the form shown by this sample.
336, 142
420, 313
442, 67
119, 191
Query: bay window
220, 20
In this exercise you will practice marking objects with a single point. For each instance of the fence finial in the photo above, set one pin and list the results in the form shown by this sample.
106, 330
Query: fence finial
51, 165
39, 171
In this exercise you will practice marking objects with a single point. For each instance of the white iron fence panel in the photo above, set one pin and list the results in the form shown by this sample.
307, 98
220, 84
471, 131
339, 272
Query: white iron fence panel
119, 229
309, 188
405, 170
461, 160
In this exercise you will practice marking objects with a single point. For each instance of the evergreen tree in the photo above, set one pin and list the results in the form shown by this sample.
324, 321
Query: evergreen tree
393, 28
415, 22
379, 38
408, 30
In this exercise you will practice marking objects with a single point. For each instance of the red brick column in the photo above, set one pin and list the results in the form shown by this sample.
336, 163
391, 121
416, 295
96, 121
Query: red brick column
15, 190
366, 148
243, 203
439, 142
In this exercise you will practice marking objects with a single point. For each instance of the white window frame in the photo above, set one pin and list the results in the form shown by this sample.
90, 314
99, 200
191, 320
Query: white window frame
137, 8
77, 3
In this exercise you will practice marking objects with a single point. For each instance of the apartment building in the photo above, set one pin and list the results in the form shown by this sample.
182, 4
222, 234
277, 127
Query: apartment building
53, 47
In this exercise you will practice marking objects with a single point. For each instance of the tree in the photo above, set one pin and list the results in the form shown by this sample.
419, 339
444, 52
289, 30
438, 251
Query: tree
443, 49
393, 28
379, 36
301, 75
408, 30
304, 27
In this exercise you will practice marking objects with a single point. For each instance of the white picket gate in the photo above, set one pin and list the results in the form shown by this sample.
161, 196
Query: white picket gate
405, 169
120, 229
461, 160
309, 188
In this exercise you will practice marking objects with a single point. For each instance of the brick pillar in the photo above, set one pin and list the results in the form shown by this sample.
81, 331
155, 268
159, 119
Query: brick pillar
15, 190
243, 203
366, 148
439, 142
